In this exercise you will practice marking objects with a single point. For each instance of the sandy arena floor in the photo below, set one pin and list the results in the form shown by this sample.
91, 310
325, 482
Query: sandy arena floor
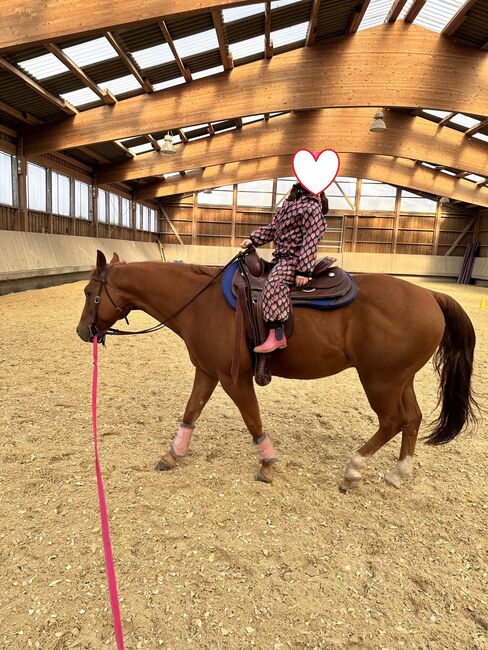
205, 556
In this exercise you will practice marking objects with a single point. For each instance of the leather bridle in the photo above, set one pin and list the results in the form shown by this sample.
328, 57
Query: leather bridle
94, 331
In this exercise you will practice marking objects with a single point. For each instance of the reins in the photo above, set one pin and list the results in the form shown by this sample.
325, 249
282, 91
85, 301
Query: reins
111, 331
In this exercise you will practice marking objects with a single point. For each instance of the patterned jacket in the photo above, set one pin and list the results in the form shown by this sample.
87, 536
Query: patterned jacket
296, 230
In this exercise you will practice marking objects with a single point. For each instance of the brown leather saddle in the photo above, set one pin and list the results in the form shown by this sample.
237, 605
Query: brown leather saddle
328, 282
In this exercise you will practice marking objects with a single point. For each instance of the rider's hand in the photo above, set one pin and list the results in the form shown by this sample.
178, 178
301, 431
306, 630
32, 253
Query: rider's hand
300, 281
246, 243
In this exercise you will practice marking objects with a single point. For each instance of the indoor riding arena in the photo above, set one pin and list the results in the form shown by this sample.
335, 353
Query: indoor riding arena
147, 149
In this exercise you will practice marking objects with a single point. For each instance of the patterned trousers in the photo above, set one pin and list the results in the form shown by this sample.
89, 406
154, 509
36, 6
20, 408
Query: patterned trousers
277, 289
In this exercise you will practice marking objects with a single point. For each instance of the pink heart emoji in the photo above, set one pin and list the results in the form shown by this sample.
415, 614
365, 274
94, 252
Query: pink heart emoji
316, 171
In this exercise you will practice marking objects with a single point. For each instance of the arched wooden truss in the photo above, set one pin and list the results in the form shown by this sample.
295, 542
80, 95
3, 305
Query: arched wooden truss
398, 65
345, 130
396, 171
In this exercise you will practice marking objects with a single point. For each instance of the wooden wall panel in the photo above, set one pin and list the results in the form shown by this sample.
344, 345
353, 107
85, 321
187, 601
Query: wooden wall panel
38, 221
8, 218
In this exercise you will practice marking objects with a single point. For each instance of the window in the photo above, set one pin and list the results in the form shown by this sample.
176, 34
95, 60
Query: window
258, 194
60, 194
336, 198
154, 221
114, 207
126, 213
82, 203
219, 196
411, 202
102, 206
145, 217
377, 196
6, 179
36, 187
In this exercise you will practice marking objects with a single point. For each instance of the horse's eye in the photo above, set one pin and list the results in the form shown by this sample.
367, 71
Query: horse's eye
87, 294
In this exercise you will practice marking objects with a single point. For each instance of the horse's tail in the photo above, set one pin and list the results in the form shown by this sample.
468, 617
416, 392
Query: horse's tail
453, 362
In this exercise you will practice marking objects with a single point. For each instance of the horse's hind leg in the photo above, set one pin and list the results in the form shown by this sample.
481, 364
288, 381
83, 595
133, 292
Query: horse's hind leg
203, 387
244, 397
410, 431
386, 400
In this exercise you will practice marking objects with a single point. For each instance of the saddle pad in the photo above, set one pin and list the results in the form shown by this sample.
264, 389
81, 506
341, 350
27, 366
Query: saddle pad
322, 303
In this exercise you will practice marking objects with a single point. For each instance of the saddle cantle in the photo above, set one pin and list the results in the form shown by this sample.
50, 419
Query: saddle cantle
243, 282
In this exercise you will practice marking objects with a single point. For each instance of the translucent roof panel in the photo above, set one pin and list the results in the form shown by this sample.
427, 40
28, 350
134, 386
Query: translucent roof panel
168, 84
176, 140
197, 43
43, 67
198, 137
121, 85
153, 56
141, 148
464, 120
276, 4
376, 13
246, 48
171, 174
252, 118
236, 13
81, 97
288, 35
437, 13
209, 72
475, 178
91, 52
185, 129
448, 172
480, 136
441, 114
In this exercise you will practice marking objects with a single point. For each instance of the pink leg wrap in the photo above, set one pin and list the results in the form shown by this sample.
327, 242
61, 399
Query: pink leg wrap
180, 444
265, 449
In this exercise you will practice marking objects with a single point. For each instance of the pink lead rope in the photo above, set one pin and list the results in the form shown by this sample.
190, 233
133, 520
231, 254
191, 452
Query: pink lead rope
107, 547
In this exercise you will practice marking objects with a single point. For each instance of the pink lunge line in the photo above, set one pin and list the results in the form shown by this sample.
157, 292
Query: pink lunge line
107, 547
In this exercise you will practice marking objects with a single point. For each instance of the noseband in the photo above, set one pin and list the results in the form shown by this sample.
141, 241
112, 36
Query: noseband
123, 314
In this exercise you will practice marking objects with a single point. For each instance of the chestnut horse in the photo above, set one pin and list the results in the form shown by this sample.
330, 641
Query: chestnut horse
388, 334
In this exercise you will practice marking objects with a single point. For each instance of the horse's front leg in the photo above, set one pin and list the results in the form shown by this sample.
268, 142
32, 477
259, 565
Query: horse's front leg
203, 387
244, 397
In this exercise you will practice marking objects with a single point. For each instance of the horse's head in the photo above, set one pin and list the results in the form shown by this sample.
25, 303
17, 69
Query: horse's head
104, 303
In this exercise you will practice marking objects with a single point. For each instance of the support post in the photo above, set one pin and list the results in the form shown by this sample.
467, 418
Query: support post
22, 212
194, 223
233, 216
396, 222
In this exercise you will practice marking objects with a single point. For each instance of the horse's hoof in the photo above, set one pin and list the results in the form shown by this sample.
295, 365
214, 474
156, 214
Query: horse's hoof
263, 479
393, 480
343, 489
163, 465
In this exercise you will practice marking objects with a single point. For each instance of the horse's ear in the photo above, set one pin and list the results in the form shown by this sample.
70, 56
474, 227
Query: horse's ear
115, 259
101, 261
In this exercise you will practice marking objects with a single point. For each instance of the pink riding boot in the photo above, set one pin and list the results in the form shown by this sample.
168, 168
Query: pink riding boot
276, 340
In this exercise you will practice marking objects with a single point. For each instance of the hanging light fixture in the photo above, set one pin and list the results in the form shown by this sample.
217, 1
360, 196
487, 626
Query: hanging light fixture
207, 191
443, 200
378, 124
168, 146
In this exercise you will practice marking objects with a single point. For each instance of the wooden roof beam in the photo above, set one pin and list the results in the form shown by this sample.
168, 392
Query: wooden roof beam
183, 68
19, 115
406, 137
268, 45
65, 106
96, 156
296, 78
380, 168
145, 83
225, 54
105, 95
414, 10
478, 127
238, 123
312, 25
458, 19
396, 10
446, 119
155, 144
183, 136
124, 149
357, 16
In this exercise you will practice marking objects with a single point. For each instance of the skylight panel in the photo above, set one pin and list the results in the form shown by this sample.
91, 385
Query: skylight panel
208, 72
246, 48
441, 114
185, 129
229, 128
198, 137
43, 67
276, 4
121, 85
376, 14
153, 56
464, 120
448, 172
425, 164
197, 43
475, 178
236, 13
91, 52
141, 148
288, 35
480, 136
171, 175
437, 13
252, 118
177, 81
81, 97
